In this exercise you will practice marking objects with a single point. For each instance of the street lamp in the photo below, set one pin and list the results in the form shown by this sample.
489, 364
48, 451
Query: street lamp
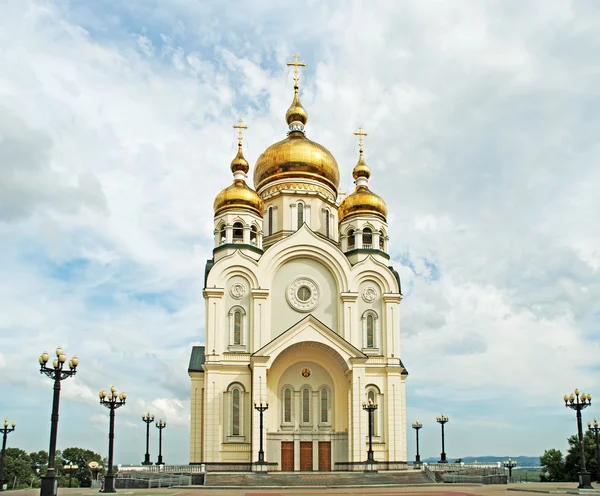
111, 400
442, 419
70, 467
510, 464
5, 430
160, 425
148, 419
95, 468
578, 403
57, 372
261, 409
416, 426
595, 429
370, 407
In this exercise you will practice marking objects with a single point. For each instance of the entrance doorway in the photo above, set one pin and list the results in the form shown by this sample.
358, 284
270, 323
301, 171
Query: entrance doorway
324, 456
287, 456
306, 454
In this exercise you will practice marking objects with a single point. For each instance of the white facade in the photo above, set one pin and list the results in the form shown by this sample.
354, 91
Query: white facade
298, 319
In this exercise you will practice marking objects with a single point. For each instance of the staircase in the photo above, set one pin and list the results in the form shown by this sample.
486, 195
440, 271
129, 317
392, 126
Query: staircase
329, 479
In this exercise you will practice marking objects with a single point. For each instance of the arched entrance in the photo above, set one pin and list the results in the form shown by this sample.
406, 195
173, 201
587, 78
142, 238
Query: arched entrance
308, 422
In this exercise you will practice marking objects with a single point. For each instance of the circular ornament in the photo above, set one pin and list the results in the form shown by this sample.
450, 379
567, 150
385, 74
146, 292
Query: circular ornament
305, 372
303, 294
237, 291
369, 294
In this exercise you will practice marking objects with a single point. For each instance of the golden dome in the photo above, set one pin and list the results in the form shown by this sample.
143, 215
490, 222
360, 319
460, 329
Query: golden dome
239, 163
296, 112
361, 169
239, 196
296, 157
362, 202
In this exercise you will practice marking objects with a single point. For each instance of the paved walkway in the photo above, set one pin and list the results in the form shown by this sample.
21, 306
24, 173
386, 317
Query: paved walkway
434, 490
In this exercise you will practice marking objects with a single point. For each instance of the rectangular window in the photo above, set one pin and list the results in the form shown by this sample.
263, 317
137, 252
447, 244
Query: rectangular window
236, 413
287, 406
323, 405
305, 406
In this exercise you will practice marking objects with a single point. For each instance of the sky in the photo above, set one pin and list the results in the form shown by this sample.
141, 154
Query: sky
116, 135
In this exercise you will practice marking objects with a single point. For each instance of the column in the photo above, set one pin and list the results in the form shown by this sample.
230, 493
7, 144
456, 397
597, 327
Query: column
259, 392
214, 319
376, 240
357, 452
229, 233
348, 324
246, 235
395, 435
358, 243
260, 330
391, 324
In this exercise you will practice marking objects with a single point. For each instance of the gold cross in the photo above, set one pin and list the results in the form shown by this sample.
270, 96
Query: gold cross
240, 126
360, 133
296, 64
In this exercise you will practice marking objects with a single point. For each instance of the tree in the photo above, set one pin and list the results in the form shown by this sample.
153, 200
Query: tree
553, 466
80, 457
17, 468
39, 462
573, 458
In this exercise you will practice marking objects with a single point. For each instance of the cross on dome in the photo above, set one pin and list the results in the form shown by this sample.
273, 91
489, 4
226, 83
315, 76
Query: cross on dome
296, 64
360, 133
240, 127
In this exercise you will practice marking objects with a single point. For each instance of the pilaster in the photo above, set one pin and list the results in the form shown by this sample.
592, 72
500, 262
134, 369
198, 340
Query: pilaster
260, 323
349, 323
391, 302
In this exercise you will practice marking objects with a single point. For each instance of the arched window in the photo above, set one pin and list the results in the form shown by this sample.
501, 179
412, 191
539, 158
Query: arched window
351, 239
235, 417
253, 235
381, 239
326, 220
287, 405
270, 221
300, 209
367, 238
370, 331
305, 405
222, 234
237, 327
324, 405
238, 232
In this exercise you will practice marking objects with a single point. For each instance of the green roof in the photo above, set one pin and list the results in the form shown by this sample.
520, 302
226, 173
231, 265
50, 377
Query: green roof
196, 359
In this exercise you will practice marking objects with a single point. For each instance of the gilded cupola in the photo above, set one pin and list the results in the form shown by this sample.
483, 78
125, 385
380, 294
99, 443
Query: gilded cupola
362, 201
296, 159
239, 195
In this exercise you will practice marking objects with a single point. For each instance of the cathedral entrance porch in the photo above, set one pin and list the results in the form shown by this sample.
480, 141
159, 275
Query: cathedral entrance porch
305, 456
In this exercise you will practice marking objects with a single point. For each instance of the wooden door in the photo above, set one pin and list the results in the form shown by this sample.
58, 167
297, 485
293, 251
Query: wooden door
287, 456
324, 456
306, 453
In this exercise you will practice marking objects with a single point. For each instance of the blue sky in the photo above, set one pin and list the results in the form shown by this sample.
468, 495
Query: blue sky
115, 137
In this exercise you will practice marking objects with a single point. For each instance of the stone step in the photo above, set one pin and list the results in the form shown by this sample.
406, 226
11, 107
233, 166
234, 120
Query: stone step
279, 479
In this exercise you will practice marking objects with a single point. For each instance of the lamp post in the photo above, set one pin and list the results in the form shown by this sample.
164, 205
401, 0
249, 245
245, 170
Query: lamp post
112, 401
510, 464
57, 372
416, 426
5, 430
442, 419
595, 429
261, 409
160, 425
369, 407
578, 403
148, 419
70, 467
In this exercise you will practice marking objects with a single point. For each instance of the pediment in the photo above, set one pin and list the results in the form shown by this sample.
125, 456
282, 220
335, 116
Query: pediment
310, 330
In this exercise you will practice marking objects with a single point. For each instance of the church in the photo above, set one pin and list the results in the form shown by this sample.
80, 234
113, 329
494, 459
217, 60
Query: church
302, 316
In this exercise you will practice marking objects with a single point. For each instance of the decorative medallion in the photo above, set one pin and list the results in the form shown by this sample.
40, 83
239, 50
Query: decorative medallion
305, 372
237, 291
369, 294
303, 294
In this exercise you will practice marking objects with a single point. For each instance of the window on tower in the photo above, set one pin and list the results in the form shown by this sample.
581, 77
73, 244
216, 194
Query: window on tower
237, 327
253, 235
326, 221
238, 232
235, 417
351, 239
367, 238
381, 239
270, 221
370, 332
300, 209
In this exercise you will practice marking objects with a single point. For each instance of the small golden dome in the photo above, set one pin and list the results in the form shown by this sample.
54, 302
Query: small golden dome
296, 112
239, 196
239, 163
296, 157
361, 169
362, 202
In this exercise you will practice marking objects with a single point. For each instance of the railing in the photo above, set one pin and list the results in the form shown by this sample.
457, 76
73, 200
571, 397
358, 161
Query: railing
362, 466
